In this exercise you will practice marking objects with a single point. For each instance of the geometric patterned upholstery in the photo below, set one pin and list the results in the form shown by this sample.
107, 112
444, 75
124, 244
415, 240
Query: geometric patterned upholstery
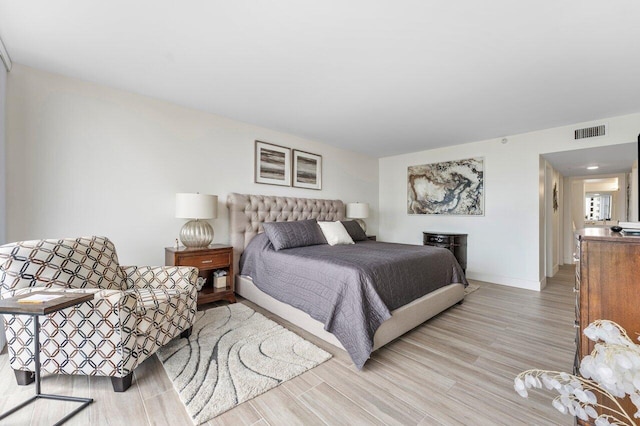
69, 263
135, 310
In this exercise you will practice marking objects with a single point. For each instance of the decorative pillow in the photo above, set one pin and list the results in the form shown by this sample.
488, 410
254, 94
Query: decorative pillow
355, 230
285, 235
335, 233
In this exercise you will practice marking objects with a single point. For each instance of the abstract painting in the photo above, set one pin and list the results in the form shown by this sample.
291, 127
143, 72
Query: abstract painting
307, 170
448, 188
272, 164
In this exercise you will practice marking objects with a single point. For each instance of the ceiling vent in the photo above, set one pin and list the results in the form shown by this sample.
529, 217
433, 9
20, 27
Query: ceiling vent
590, 132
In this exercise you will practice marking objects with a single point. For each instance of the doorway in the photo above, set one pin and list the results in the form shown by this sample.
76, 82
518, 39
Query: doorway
584, 188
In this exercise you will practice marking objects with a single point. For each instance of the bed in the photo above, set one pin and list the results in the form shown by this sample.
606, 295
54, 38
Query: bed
248, 213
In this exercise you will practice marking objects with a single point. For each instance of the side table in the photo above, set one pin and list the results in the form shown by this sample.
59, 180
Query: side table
11, 306
208, 259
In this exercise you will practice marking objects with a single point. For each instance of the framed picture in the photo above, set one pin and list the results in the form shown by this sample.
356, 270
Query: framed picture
307, 170
272, 164
447, 188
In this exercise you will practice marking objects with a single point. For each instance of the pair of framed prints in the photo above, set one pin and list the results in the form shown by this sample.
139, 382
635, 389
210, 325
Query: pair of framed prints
279, 165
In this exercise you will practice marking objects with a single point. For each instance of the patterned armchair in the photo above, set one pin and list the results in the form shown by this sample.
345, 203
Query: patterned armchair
135, 310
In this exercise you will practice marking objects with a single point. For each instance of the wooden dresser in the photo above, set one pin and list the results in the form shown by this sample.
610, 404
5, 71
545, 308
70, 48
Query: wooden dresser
607, 285
454, 242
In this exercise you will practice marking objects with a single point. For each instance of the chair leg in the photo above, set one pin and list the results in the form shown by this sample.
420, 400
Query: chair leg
24, 377
121, 384
186, 333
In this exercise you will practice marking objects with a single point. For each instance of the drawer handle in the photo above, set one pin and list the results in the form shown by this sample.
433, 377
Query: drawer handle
576, 258
575, 290
207, 261
576, 325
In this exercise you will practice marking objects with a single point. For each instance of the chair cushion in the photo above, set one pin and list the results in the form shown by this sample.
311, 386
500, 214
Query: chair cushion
153, 307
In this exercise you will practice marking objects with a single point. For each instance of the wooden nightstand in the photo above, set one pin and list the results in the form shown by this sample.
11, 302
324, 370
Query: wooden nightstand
207, 260
371, 237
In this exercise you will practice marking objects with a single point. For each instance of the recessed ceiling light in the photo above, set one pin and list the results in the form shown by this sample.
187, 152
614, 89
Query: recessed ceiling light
592, 167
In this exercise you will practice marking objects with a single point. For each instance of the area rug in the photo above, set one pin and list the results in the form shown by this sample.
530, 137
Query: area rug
234, 354
470, 288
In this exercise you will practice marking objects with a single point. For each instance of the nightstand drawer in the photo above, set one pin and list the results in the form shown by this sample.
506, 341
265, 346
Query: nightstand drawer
208, 261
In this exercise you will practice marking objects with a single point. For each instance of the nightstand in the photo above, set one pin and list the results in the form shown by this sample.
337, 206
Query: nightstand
207, 260
371, 237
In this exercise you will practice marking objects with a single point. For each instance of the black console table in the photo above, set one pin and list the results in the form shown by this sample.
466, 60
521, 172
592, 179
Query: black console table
12, 306
455, 242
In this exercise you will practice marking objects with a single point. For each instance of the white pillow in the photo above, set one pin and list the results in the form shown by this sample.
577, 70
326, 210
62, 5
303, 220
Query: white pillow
335, 233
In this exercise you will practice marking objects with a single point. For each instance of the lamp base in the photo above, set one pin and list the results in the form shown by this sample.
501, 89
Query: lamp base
362, 224
196, 234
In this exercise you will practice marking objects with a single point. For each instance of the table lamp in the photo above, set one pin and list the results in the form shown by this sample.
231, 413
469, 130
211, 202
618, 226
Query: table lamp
358, 211
196, 233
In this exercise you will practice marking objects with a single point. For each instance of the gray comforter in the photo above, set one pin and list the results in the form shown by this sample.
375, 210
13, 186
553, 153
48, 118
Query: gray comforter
351, 289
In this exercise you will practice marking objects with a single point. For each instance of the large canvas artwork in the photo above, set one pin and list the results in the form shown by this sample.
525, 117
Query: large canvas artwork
451, 188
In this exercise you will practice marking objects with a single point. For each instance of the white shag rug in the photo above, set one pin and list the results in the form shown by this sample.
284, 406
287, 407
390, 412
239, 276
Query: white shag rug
471, 288
234, 354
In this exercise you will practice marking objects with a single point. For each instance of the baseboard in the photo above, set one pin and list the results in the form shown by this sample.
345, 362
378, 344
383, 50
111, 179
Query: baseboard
508, 281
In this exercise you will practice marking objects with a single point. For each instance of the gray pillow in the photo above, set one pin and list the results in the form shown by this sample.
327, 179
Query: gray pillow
302, 233
355, 230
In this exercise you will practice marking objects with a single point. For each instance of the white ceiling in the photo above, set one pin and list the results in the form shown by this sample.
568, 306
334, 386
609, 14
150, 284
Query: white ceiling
380, 77
609, 159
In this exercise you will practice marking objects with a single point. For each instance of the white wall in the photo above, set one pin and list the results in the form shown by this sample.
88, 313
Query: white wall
87, 159
553, 234
505, 244
559, 224
633, 204
3, 236
567, 220
3, 181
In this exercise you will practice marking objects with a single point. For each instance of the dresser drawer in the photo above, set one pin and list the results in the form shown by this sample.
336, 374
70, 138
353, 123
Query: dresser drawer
438, 239
444, 246
208, 261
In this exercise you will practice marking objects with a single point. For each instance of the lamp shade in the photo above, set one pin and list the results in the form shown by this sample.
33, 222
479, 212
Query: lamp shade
358, 210
196, 206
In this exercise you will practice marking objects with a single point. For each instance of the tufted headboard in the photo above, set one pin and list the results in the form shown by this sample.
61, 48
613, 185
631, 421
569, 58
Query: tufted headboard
248, 212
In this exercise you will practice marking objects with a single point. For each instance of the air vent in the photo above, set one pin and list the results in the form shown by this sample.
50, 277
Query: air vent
590, 132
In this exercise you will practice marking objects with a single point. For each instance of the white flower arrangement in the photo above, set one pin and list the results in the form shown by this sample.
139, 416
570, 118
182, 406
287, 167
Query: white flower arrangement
611, 370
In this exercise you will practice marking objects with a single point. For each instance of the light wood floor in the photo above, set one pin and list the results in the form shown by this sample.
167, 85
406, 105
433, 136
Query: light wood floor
457, 369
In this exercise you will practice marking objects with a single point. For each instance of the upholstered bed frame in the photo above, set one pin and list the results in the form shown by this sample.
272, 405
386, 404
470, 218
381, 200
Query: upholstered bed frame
246, 215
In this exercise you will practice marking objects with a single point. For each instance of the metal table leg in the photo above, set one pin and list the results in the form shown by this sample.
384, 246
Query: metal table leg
39, 395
